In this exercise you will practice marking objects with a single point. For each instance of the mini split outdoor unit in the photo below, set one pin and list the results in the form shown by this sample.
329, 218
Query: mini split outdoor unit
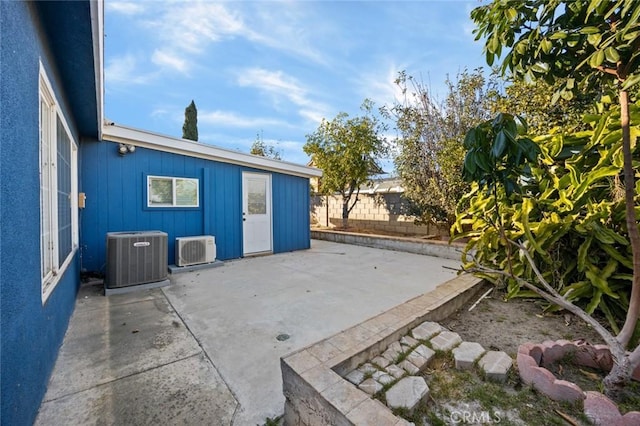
195, 250
136, 260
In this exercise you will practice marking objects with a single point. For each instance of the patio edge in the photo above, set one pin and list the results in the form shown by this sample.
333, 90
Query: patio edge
312, 377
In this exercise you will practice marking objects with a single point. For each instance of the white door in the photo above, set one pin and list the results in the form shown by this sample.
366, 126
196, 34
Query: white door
256, 212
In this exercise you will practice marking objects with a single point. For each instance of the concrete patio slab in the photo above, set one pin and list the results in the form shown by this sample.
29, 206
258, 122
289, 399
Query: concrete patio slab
206, 347
238, 310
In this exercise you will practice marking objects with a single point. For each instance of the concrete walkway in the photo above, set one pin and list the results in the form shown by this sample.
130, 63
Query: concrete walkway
207, 347
129, 360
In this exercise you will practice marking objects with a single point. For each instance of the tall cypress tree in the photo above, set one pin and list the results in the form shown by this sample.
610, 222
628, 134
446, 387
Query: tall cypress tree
190, 126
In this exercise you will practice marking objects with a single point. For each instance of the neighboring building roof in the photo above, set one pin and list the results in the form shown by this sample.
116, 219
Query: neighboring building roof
146, 139
375, 169
386, 186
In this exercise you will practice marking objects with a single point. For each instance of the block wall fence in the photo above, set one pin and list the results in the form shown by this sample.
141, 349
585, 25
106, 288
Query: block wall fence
374, 212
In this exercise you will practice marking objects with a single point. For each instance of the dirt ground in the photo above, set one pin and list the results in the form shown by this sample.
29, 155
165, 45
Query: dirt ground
500, 325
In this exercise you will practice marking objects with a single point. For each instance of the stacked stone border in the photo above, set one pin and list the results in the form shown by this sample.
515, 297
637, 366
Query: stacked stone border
398, 369
315, 390
533, 358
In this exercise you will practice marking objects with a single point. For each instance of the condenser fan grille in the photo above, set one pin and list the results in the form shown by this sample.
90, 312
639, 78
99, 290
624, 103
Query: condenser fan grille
194, 251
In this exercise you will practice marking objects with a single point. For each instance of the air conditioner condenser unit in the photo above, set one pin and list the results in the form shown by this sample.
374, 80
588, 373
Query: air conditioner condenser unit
136, 259
195, 250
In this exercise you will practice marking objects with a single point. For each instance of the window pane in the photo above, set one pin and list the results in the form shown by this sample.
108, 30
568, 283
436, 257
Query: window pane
257, 196
186, 192
45, 189
160, 191
64, 193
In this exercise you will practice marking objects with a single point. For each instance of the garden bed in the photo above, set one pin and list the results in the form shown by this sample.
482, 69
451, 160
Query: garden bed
314, 377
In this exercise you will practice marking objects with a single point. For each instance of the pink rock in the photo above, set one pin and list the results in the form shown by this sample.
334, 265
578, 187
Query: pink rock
536, 353
525, 348
531, 359
541, 379
563, 390
556, 352
525, 364
526, 360
600, 409
586, 356
603, 357
632, 418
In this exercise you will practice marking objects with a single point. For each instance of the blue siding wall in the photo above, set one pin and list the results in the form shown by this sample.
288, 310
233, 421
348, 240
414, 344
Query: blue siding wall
116, 201
291, 227
31, 333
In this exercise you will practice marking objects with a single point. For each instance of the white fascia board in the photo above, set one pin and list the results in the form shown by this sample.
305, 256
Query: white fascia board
97, 30
146, 139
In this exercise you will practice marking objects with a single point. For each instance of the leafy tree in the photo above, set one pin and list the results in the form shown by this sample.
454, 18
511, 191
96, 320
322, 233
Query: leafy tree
430, 142
532, 101
535, 206
347, 150
190, 126
594, 43
264, 149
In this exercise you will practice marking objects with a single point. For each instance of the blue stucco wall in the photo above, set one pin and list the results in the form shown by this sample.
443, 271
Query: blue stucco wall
31, 333
116, 201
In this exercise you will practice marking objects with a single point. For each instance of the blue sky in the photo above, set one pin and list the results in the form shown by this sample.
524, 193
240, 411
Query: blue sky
274, 68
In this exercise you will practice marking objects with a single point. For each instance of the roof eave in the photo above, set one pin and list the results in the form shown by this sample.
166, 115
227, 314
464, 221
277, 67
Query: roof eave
146, 139
97, 32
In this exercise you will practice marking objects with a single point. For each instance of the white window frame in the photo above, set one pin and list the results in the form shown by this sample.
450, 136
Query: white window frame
49, 113
174, 195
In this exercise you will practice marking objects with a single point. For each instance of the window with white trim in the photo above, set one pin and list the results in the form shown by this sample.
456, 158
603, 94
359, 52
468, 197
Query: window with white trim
165, 191
58, 190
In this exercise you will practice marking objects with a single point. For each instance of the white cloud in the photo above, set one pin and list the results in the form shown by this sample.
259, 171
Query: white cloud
125, 70
168, 60
292, 27
313, 116
275, 82
189, 28
125, 8
379, 85
283, 86
159, 113
231, 119
192, 26
184, 31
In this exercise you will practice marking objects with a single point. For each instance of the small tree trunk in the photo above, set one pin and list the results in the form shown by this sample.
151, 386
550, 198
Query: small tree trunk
345, 212
632, 225
618, 378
